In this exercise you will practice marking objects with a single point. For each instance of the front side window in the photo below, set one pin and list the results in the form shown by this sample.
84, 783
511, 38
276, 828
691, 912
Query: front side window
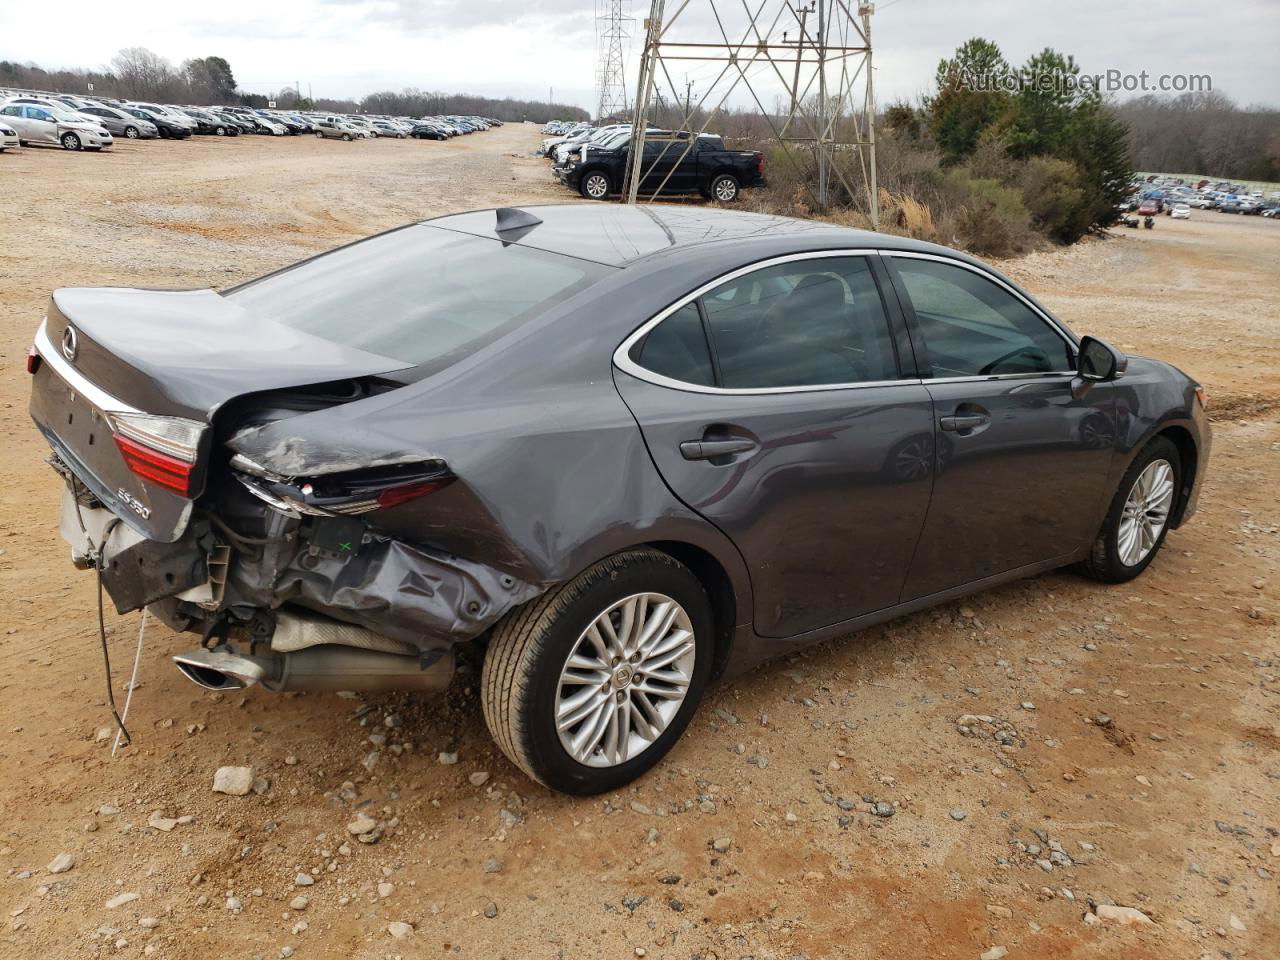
973, 327
810, 322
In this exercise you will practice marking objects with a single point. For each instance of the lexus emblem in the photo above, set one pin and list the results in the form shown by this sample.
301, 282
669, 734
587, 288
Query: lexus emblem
70, 343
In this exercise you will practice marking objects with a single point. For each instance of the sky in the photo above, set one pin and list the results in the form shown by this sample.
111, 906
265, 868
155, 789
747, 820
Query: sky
535, 48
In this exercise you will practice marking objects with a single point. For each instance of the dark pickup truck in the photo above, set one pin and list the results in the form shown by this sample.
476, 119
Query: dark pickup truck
670, 166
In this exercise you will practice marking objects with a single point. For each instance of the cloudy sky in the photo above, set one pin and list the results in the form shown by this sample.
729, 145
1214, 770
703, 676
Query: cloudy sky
527, 47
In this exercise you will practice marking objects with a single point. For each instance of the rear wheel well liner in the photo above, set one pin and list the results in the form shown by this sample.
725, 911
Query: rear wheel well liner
719, 587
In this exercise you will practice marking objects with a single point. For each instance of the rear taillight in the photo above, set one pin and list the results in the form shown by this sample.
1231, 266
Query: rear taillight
162, 450
760, 164
33, 360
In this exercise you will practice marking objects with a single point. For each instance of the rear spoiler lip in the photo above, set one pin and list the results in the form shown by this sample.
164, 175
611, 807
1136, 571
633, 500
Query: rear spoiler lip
82, 384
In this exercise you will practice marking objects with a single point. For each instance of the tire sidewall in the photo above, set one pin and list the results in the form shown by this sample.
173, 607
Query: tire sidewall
1160, 448
547, 755
71, 142
131, 133
594, 174
720, 179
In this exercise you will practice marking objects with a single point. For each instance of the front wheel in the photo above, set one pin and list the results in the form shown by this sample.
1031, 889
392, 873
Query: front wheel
595, 185
131, 133
347, 137
1138, 519
591, 684
724, 188
70, 141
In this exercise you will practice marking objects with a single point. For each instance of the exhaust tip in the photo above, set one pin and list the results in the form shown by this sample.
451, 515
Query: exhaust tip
219, 669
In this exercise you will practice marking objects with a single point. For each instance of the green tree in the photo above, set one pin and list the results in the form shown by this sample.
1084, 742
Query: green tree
971, 96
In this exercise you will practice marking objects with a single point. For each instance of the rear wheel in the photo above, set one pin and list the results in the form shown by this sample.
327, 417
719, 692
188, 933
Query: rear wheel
70, 142
1138, 519
595, 185
724, 188
131, 133
590, 685
346, 136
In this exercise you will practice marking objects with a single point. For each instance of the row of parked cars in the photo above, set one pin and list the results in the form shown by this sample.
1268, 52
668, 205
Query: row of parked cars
93, 123
1177, 198
593, 161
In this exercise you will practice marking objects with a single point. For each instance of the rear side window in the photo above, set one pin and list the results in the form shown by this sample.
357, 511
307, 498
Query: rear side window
422, 295
677, 348
803, 323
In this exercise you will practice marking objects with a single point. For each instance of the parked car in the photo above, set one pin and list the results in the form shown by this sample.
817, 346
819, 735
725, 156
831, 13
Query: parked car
172, 114
335, 128
795, 430
670, 166
54, 125
168, 129
1148, 208
55, 104
210, 123
9, 138
1180, 211
121, 124
387, 129
428, 131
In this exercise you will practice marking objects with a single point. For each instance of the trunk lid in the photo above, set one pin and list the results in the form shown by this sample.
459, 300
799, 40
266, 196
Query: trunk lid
116, 361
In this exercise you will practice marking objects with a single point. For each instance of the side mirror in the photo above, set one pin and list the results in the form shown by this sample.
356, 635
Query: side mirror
1098, 360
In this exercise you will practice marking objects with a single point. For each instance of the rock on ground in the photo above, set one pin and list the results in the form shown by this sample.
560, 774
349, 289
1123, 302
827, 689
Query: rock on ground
235, 781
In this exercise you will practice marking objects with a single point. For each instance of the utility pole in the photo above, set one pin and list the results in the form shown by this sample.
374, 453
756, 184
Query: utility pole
612, 31
748, 48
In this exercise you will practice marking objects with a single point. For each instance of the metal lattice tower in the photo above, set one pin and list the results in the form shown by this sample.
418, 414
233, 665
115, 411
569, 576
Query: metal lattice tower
813, 57
613, 23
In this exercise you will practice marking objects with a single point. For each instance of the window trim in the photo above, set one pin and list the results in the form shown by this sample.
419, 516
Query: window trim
622, 355
904, 297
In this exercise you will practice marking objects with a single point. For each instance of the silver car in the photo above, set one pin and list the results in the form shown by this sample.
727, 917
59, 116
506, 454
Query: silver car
36, 124
121, 124
8, 138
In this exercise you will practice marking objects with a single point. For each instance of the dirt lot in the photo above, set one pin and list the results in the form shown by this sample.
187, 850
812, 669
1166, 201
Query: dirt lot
757, 837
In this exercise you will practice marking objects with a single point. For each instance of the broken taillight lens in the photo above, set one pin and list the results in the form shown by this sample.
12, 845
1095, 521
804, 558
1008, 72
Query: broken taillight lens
33, 360
162, 450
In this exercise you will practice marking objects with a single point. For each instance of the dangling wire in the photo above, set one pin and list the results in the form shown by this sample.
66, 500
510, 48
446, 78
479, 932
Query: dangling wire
106, 656
133, 681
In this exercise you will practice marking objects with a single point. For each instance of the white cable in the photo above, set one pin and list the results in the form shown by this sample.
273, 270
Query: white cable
133, 679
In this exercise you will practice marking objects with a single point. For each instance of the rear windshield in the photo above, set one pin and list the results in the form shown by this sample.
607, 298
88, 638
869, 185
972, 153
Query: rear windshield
423, 295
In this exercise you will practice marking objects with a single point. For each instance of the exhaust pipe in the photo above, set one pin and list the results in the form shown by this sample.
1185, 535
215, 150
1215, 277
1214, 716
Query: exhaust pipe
323, 667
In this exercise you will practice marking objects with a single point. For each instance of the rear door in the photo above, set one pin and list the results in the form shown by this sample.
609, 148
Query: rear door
776, 406
1021, 462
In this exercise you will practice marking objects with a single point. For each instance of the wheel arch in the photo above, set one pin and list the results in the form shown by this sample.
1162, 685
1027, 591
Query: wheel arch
717, 583
1188, 455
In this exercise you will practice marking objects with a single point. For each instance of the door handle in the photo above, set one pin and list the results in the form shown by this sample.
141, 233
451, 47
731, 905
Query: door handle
710, 449
961, 422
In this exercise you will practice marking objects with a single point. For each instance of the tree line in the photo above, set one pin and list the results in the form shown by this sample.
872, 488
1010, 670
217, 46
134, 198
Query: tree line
137, 73
1203, 133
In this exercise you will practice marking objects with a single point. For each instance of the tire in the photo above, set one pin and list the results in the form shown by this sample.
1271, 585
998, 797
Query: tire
522, 689
220, 131
70, 141
319, 134
723, 188
131, 133
595, 185
347, 137
1110, 560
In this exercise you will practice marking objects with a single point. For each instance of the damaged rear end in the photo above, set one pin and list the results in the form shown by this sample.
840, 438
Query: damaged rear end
288, 571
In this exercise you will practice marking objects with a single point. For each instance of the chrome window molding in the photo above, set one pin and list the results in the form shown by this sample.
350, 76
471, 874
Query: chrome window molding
622, 355
77, 381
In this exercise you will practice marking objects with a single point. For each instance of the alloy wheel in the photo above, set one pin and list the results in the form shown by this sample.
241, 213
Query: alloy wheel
131, 133
1146, 511
726, 190
597, 186
625, 679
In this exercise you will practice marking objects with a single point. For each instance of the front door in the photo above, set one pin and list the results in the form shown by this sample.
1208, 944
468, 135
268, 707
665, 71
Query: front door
1021, 461
774, 406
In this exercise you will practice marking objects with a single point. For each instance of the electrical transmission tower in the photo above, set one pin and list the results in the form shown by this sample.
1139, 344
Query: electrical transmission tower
811, 60
613, 23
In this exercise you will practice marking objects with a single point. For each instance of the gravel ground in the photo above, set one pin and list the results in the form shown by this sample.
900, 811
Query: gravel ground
992, 778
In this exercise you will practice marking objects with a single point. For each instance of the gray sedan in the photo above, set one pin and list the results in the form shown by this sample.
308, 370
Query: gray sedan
122, 124
616, 450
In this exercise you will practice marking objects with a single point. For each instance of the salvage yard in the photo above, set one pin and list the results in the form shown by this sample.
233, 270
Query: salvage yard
980, 780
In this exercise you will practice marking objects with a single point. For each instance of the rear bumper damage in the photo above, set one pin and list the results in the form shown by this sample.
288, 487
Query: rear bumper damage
304, 603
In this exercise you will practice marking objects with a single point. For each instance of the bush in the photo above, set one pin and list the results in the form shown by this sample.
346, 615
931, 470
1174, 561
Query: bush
1053, 193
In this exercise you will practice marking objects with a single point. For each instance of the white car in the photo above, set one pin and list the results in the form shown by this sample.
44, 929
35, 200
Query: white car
35, 124
1180, 211
8, 138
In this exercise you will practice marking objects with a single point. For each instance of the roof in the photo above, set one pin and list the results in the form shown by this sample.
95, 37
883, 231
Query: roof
621, 234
